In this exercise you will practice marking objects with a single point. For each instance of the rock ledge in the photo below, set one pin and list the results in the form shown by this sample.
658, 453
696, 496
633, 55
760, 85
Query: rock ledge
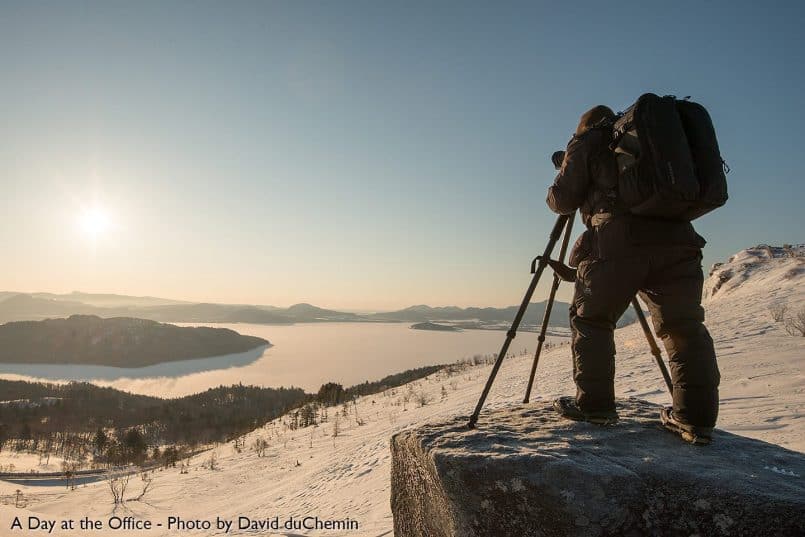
526, 472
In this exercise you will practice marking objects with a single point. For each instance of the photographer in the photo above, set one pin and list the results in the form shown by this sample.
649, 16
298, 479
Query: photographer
621, 254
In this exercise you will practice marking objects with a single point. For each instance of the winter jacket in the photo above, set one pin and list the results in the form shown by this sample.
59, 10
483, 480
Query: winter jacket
588, 177
587, 181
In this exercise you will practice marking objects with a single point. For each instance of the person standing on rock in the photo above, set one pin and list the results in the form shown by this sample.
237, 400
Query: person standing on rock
619, 255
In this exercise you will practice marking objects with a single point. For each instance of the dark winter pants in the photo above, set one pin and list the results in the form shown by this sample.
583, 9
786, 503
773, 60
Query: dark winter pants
669, 280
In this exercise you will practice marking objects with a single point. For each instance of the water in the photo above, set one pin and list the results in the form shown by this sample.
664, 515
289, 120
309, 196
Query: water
301, 355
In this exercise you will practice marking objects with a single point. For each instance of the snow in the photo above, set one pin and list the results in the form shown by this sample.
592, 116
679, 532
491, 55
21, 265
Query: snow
308, 472
15, 461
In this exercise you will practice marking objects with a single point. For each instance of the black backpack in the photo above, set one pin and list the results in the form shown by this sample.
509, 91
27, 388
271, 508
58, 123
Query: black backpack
668, 159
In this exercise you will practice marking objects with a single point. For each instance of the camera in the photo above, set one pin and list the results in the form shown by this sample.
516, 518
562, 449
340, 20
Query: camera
557, 158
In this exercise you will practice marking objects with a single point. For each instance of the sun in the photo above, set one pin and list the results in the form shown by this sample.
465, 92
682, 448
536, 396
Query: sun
94, 221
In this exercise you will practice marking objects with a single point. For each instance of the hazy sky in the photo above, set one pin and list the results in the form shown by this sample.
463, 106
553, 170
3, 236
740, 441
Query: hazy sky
357, 155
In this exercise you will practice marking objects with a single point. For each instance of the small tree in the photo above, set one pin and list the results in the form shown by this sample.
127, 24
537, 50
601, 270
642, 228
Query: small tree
117, 486
4, 435
355, 409
406, 397
134, 445
336, 426
795, 325
25, 432
69, 468
100, 440
170, 455
778, 312
212, 462
260, 445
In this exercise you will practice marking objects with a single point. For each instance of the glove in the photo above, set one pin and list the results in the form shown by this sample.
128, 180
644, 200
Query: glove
564, 272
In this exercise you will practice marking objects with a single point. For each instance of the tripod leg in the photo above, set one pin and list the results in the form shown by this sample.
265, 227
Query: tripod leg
548, 307
655, 350
554, 238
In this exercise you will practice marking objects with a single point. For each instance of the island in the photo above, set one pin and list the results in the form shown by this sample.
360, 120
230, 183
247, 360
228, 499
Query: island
116, 342
433, 326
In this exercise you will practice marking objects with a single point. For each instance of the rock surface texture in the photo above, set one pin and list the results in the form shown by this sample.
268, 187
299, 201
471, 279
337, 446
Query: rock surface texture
527, 472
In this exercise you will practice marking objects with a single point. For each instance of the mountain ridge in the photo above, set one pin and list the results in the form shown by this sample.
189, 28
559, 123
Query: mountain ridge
38, 306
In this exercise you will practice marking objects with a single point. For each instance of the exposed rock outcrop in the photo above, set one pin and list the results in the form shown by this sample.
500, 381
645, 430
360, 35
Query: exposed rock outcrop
526, 472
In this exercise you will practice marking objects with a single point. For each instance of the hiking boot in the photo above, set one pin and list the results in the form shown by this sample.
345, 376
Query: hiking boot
699, 436
566, 406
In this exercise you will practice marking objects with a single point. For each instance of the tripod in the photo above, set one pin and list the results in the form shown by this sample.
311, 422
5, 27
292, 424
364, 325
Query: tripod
563, 223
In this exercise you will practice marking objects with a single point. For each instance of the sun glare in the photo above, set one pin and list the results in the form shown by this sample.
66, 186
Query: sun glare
94, 221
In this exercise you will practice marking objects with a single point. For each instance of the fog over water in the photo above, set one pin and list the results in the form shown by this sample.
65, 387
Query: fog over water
302, 355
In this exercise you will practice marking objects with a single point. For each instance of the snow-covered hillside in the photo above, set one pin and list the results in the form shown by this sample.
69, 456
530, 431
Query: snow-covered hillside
761, 272
311, 472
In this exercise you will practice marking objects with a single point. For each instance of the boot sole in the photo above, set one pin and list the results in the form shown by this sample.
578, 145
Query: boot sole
687, 436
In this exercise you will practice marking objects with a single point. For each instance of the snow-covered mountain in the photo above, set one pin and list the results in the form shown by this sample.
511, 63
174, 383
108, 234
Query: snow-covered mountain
314, 472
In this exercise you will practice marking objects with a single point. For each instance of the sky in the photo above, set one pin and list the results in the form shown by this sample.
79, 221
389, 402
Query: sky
358, 155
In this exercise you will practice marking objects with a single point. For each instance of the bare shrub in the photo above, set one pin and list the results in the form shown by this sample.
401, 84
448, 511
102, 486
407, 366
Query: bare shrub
406, 397
260, 446
795, 325
212, 462
147, 481
117, 482
778, 312
69, 468
422, 399
358, 419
